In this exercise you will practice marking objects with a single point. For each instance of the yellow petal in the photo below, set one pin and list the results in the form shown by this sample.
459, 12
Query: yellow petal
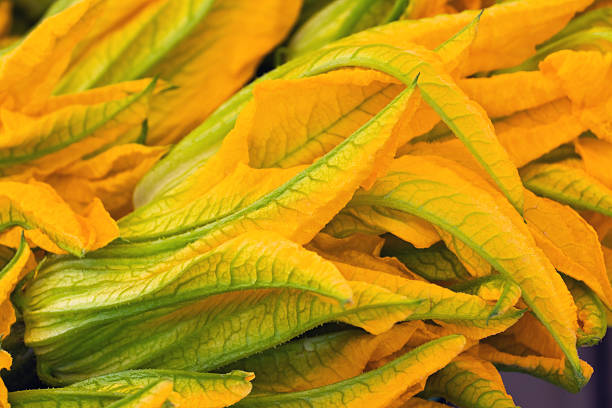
527, 336
467, 120
498, 43
111, 176
10, 274
5, 363
528, 347
597, 119
151, 396
463, 313
469, 382
547, 368
346, 167
192, 64
61, 137
423, 121
97, 226
471, 125
455, 157
116, 27
455, 52
114, 13
181, 42
543, 19
101, 224
241, 33
591, 313
43, 56
89, 97
537, 212
411, 229
318, 113
407, 334
237, 190
34, 238
567, 182
596, 155
345, 225
503, 95
191, 389
475, 264
7, 317
377, 388
496, 290
352, 257
322, 360
529, 134
424, 333
587, 88
569, 242
407, 400
76, 234
608, 259
268, 134
423, 187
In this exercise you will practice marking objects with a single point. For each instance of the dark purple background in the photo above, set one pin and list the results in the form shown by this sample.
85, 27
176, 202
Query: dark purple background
531, 392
